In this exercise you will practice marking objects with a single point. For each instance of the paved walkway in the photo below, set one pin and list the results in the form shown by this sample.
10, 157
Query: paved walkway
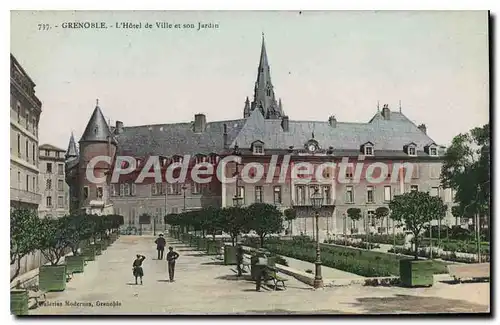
204, 287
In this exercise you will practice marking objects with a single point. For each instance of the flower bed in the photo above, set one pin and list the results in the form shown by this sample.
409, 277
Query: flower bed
447, 257
382, 239
357, 261
458, 246
361, 244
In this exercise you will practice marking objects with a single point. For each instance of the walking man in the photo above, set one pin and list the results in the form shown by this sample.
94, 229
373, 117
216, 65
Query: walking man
160, 246
239, 258
171, 257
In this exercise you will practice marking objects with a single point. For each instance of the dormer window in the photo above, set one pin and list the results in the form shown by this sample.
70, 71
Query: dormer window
367, 149
258, 147
410, 149
431, 150
177, 159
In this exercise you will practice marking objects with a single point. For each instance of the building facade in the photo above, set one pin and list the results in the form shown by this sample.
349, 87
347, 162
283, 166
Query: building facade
53, 187
25, 110
263, 132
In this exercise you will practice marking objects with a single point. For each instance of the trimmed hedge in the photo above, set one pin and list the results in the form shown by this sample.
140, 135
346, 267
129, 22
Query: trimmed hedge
447, 257
382, 239
362, 244
361, 262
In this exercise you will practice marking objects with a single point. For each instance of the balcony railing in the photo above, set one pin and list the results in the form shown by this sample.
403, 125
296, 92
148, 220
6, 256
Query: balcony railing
24, 196
307, 202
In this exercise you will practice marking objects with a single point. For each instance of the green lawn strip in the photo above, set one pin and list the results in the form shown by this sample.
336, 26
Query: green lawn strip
357, 261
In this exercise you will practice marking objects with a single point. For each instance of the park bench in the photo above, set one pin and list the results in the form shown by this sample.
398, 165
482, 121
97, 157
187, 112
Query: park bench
273, 275
476, 271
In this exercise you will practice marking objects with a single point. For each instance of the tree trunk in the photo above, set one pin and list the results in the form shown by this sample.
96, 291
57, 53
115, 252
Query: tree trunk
213, 236
18, 269
232, 239
262, 240
415, 240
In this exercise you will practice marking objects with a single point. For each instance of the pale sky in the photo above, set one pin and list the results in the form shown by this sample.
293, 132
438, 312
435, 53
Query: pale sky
322, 63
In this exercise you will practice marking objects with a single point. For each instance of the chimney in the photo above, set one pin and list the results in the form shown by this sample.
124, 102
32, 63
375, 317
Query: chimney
332, 121
118, 127
200, 123
285, 123
386, 112
423, 128
226, 144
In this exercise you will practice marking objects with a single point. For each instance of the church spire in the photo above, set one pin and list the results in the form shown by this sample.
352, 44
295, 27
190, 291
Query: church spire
72, 151
97, 129
264, 98
246, 110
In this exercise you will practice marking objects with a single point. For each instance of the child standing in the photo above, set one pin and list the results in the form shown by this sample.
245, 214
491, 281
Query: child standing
137, 267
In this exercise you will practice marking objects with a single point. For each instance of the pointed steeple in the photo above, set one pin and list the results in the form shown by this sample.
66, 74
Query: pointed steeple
280, 106
246, 110
97, 129
264, 98
72, 150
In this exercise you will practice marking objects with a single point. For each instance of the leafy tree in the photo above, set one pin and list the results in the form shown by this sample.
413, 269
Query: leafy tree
354, 214
235, 221
415, 209
53, 238
213, 221
381, 213
466, 169
23, 236
264, 219
290, 215
78, 228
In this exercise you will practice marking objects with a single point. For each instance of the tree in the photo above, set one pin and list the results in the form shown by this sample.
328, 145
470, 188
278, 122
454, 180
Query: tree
78, 228
235, 221
381, 213
53, 238
466, 169
416, 209
23, 236
290, 215
354, 214
264, 219
144, 219
213, 220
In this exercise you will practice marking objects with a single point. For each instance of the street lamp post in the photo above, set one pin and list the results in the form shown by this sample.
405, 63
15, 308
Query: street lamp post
317, 201
184, 188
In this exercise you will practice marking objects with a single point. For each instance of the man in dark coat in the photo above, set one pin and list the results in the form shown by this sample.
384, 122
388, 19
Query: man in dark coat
171, 258
239, 258
160, 246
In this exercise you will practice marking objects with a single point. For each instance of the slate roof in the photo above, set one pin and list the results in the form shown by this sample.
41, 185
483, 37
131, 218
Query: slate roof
171, 139
50, 147
386, 135
97, 129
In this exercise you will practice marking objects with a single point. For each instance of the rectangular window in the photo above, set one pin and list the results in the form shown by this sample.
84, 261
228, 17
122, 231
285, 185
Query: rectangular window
349, 194
99, 192
257, 149
175, 210
48, 185
49, 201
34, 127
434, 191
387, 193
27, 183
122, 189
258, 194
433, 151
34, 154
19, 145
153, 189
301, 195
241, 193
27, 150
277, 195
60, 185
47, 153
60, 169
58, 154
35, 189
127, 189
416, 172
85, 192
369, 194
19, 180
412, 151
113, 190
18, 113
368, 151
195, 188
327, 198
49, 168
60, 201
132, 189
414, 188
348, 172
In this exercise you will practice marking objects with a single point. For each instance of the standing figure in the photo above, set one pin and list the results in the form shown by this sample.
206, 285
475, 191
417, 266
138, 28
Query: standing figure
239, 258
171, 257
160, 246
137, 267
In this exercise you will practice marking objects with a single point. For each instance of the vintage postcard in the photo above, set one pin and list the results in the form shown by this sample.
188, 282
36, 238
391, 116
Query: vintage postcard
249, 162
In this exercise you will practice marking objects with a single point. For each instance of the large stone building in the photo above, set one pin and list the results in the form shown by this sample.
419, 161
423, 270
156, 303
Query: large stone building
54, 189
265, 130
25, 110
